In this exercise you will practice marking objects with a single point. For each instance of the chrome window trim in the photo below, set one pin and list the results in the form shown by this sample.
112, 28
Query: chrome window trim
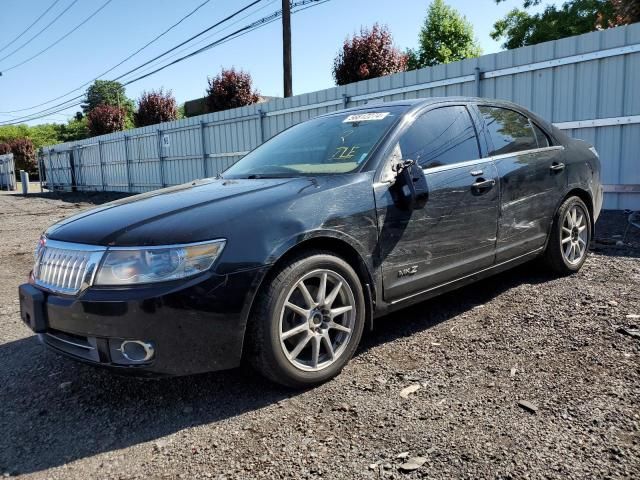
471, 163
527, 152
466, 163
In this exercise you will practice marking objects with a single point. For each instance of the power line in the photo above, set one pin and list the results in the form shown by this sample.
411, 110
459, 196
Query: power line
29, 27
40, 32
60, 39
115, 66
238, 33
234, 14
202, 40
229, 17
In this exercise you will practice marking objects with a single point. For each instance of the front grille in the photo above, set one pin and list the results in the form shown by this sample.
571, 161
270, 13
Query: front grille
66, 267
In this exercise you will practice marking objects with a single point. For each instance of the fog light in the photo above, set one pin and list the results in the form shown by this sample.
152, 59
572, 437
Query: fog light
137, 351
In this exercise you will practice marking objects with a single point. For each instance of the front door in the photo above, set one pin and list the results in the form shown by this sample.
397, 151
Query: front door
455, 234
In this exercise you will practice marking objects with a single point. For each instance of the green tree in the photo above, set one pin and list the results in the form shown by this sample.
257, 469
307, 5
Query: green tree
520, 28
111, 93
446, 36
75, 129
181, 114
40, 135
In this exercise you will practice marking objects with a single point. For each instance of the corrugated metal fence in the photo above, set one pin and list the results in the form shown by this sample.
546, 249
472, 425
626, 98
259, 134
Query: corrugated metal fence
7, 172
588, 85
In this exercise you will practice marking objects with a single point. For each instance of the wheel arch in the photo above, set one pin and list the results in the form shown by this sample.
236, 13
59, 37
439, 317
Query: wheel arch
342, 249
583, 195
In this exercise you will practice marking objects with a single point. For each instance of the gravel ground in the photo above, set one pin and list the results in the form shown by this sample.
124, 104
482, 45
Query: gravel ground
473, 355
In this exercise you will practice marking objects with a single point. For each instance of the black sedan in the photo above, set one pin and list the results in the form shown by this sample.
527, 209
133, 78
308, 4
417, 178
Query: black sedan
288, 256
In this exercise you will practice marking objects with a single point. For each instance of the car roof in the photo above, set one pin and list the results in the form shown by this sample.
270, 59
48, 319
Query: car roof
415, 103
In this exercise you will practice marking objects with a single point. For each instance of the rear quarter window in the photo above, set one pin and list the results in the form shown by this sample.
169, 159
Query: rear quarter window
541, 136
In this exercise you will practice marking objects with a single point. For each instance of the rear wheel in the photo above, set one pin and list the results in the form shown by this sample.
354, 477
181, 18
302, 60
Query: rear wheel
308, 321
570, 236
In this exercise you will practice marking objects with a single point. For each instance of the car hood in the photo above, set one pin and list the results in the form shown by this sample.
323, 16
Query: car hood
192, 212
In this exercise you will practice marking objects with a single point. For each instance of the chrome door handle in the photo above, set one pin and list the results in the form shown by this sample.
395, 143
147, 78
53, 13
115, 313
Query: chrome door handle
481, 184
556, 167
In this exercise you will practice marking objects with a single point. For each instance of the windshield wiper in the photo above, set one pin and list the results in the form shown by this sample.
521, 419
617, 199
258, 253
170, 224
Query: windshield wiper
254, 176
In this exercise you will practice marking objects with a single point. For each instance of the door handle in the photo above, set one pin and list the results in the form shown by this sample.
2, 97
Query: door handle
482, 184
556, 167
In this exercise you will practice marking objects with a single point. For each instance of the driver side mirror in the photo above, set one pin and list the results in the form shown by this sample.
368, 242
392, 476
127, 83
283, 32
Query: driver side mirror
411, 189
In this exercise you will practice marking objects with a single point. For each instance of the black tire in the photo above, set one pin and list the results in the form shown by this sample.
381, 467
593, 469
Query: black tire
555, 255
267, 350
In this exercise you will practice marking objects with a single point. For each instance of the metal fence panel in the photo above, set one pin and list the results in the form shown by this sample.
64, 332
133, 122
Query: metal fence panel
587, 85
7, 172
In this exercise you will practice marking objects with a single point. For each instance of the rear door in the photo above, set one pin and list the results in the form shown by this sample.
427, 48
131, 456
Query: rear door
532, 177
455, 234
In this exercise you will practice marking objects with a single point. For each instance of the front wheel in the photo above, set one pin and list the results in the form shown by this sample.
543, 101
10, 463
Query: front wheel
308, 321
570, 236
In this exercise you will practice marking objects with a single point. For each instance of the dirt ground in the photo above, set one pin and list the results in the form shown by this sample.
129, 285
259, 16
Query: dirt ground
474, 354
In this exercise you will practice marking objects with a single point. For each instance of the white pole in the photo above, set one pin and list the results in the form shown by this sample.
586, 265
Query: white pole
24, 178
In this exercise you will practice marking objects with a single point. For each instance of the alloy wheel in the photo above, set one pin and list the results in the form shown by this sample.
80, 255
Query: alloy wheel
317, 320
575, 235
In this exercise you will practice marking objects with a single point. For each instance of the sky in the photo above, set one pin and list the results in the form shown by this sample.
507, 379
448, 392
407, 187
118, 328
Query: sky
123, 26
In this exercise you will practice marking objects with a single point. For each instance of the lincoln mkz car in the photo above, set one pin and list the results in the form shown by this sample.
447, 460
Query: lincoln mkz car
286, 258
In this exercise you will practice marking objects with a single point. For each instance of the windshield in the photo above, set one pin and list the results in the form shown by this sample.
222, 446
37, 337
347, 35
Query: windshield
322, 146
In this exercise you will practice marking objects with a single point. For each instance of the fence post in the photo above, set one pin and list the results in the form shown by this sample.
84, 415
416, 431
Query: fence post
101, 164
477, 78
40, 160
51, 180
203, 142
345, 100
160, 161
126, 162
262, 115
2, 176
72, 170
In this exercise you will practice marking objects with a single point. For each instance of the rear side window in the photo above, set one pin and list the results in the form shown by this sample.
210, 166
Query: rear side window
543, 140
443, 136
510, 131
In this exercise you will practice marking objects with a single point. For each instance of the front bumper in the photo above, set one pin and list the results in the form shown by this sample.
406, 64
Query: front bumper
195, 326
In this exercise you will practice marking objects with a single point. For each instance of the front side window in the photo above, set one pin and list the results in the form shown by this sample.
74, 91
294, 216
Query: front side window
322, 146
443, 136
510, 131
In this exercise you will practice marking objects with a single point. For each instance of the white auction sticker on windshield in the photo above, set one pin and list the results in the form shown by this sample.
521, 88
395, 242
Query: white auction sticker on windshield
366, 117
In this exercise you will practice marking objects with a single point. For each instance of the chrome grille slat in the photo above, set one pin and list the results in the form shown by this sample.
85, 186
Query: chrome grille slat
72, 273
78, 279
64, 267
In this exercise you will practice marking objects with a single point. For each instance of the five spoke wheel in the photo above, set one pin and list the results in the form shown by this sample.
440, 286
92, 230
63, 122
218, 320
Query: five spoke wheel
575, 235
317, 320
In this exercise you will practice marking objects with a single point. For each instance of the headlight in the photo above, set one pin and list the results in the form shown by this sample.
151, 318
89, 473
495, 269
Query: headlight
127, 266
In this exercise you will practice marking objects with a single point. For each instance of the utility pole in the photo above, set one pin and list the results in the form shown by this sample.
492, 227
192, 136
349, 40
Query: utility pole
286, 47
